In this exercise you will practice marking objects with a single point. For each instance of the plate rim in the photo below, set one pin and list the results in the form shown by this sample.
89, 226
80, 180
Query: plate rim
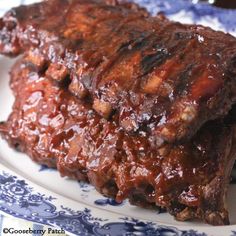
56, 200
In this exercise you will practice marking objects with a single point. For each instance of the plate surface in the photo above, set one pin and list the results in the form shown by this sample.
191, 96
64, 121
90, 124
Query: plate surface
39, 194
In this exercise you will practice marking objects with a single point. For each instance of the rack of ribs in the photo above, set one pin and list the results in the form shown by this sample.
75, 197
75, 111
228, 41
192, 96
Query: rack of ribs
155, 75
139, 106
55, 128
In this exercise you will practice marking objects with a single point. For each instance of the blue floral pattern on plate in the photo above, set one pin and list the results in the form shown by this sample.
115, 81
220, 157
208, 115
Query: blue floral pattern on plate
107, 201
44, 168
19, 199
196, 13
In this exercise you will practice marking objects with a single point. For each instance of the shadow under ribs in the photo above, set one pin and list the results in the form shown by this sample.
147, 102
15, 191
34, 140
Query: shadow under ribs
157, 76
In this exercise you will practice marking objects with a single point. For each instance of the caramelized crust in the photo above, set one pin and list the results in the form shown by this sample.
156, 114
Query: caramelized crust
148, 73
55, 128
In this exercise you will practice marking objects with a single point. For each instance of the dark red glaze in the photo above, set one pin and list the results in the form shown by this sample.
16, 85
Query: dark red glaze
151, 74
55, 128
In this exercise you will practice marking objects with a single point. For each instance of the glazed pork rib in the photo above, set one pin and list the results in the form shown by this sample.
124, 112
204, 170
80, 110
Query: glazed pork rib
55, 128
154, 75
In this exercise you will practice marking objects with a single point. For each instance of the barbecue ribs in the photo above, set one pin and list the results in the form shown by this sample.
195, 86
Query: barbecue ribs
57, 129
154, 75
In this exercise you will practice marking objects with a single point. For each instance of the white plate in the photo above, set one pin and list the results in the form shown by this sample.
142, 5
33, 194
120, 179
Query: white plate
39, 194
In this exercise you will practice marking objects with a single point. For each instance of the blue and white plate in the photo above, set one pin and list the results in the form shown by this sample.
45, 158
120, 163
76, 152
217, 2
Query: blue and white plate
36, 193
